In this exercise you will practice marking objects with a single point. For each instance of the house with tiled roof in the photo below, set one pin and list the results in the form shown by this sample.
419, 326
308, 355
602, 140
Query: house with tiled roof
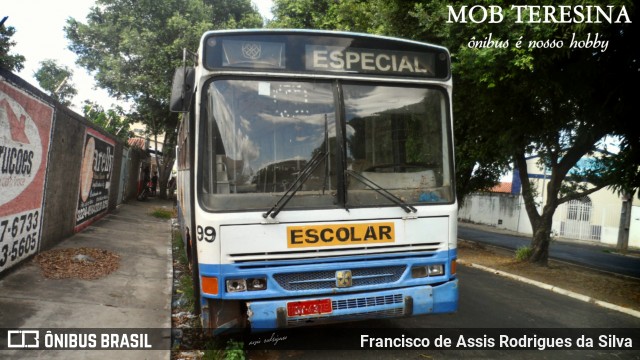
502, 188
137, 143
594, 218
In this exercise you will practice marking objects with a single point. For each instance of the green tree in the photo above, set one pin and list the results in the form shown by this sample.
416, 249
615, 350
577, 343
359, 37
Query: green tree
11, 62
346, 15
133, 48
55, 79
298, 14
510, 101
542, 101
113, 120
234, 14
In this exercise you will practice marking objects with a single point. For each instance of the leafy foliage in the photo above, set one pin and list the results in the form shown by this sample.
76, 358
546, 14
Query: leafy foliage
133, 48
298, 14
234, 14
113, 120
11, 62
56, 80
512, 101
553, 109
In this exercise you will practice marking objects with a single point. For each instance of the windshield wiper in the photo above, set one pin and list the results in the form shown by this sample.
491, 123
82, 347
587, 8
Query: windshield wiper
306, 171
396, 200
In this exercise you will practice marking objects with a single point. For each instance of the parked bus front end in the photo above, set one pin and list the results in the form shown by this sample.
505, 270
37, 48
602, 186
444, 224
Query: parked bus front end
316, 179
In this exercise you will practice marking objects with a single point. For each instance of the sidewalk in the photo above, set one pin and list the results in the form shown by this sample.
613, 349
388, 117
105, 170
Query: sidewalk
631, 251
136, 295
596, 256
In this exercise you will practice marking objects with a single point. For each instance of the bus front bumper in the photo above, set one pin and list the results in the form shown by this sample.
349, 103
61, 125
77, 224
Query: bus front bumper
419, 300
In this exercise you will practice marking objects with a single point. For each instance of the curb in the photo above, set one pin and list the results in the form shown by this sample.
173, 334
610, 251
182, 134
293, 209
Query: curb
555, 289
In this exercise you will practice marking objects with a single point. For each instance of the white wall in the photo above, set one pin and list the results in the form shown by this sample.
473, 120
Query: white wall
504, 211
634, 229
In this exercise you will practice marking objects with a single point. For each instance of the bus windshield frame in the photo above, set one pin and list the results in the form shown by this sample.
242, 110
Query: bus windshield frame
257, 134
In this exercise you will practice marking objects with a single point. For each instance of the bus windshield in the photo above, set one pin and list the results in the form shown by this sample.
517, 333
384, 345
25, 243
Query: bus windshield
259, 135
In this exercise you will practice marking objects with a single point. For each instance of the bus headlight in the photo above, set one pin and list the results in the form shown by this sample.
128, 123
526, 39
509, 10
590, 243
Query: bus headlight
436, 270
419, 272
251, 284
236, 285
427, 270
256, 284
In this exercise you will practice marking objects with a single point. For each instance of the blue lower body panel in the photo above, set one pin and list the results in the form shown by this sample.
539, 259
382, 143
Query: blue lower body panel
417, 300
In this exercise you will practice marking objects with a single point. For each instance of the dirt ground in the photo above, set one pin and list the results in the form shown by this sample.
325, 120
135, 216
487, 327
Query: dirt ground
618, 290
82, 263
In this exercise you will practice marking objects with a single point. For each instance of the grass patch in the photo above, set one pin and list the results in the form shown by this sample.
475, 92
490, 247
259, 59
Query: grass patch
186, 289
162, 213
211, 348
523, 253
178, 248
185, 280
234, 351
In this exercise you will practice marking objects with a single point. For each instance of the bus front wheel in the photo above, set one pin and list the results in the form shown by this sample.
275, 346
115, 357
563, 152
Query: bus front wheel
223, 316
192, 253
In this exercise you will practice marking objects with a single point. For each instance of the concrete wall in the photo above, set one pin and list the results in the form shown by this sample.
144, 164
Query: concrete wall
134, 160
504, 211
634, 227
63, 177
58, 171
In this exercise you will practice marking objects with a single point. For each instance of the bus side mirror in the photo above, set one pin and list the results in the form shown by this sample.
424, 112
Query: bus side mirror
182, 89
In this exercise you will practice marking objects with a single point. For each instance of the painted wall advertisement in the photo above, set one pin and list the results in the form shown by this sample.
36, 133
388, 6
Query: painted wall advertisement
25, 133
95, 178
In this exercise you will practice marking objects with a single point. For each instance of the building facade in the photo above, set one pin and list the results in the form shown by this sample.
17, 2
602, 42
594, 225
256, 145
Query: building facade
594, 218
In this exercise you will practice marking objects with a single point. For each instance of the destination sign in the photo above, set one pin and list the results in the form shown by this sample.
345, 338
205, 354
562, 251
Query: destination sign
256, 54
336, 58
324, 52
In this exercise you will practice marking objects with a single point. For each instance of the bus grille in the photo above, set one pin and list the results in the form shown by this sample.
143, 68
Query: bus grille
363, 304
326, 279
421, 249
366, 302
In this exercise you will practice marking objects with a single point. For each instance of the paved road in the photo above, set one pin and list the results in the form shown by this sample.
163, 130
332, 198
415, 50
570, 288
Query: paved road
587, 255
489, 304
136, 295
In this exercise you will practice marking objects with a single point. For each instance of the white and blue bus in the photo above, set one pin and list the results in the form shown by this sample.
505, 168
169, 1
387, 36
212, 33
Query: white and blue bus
316, 178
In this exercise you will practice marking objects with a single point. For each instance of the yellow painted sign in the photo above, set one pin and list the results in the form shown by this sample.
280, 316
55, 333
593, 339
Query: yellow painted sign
340, 234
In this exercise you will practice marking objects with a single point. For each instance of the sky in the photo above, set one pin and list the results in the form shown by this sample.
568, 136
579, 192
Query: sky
39, 36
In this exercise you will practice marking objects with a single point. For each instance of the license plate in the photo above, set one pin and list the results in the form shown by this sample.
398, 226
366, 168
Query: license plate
309, 307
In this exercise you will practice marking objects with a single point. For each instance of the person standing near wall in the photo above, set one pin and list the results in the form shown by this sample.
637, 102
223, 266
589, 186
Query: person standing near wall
154, 183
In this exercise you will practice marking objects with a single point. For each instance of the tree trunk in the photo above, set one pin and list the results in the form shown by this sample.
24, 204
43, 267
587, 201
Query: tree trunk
165, 162
163, 179
541, 240
540, 223
625, 223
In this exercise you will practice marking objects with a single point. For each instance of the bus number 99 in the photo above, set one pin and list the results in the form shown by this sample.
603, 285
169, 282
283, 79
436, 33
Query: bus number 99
207, 234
